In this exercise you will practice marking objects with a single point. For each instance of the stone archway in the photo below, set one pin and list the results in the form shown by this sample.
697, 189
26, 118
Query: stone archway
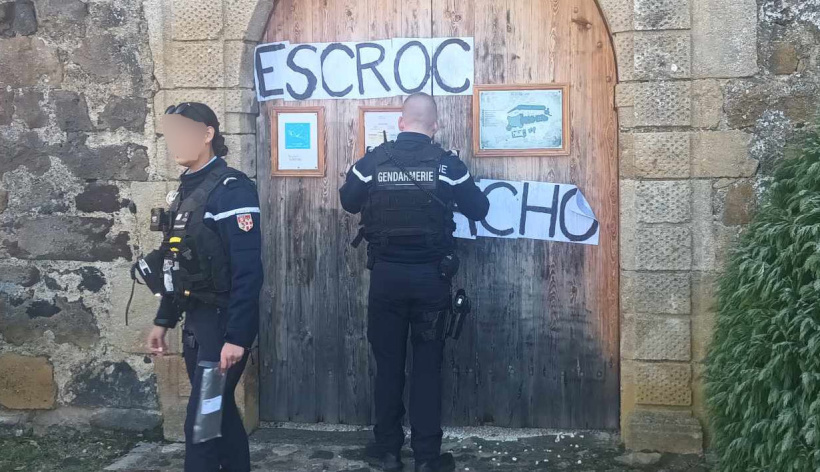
670, 55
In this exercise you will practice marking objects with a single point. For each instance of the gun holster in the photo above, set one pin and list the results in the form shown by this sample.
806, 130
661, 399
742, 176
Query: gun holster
456, 316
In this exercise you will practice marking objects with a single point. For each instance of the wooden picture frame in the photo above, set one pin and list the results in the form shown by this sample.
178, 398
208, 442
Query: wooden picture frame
520, 131
298, 145
364, 110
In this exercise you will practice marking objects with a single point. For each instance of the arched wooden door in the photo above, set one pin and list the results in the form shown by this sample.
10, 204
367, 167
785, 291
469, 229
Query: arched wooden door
541, 349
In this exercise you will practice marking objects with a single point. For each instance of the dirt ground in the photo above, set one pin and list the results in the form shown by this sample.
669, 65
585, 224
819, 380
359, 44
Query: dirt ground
300, 450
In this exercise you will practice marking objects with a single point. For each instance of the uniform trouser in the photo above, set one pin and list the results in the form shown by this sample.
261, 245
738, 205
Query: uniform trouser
407, 297
230, 452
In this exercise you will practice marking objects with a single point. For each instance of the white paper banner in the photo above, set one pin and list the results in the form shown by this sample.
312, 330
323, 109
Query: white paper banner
533, 210
359, 70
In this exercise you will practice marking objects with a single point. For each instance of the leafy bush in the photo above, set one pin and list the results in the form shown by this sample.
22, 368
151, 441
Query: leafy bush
763, 369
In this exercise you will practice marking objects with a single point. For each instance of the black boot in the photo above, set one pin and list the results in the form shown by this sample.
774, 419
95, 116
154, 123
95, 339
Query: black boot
385, 460
443, 463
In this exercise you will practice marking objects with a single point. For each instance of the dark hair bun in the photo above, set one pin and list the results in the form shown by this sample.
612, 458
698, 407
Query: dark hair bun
218, 144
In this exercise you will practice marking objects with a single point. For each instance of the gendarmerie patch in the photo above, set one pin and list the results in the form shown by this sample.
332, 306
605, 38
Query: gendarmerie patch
392, 178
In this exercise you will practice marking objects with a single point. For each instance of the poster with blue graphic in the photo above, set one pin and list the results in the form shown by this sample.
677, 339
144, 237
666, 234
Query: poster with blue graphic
297, 135
297, 141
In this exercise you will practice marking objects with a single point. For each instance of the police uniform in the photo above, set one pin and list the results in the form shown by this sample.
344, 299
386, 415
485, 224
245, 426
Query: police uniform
216, 214
408, 234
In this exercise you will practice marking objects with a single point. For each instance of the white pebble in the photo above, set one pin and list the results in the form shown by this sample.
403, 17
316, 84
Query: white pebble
515, 459
579, 461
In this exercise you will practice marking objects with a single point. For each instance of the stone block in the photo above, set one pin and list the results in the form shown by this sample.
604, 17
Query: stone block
624, 95
658, 383
17, 19
167, 370
130, 420
238, 123
23, 275
704, 240
247, 393
663, 247
28, 106
65, 238
241, 101
62, 417
106, 56
656, 338
628, 225
662, 155
122, 161
707, 103
26, 383
128, 113
239, 64
724, 38
626, 155
656, 292
739, 203
197, 64
111, 384
42, 63
663, 104
662, 55
664, 201
675, 432
99, 197
626, 117
700, 409
662, 14
6, 107
783, 59
196, 20
624, 44
722, 154
703, 313
69, 322
246, 19
242, 153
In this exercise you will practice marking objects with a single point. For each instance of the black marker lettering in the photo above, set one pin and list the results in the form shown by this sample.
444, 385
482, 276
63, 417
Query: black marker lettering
325, 53
437, 76
552, 210
487, 226
574, 237
370, 65
399, 53
311, 78
260, 71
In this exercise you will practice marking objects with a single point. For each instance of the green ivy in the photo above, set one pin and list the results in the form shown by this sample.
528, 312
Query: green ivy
763, 368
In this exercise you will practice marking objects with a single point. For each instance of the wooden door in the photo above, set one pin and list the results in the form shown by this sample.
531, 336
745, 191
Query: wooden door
541, 349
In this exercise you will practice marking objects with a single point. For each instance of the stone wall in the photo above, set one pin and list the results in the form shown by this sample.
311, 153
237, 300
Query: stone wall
709, 93
76, 141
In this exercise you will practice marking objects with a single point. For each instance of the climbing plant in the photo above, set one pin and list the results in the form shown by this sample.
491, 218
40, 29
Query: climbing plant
763, 368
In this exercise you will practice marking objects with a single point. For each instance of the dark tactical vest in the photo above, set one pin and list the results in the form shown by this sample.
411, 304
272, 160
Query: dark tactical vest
397, 208
201, 268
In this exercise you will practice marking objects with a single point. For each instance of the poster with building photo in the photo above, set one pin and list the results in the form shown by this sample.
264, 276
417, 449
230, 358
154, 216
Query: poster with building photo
523, 120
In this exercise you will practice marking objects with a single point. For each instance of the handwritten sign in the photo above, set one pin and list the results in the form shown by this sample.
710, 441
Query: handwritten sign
533, 210
359, 70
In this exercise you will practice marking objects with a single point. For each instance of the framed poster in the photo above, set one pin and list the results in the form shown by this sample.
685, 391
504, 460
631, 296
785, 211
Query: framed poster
521, 120
297, 141
373, 121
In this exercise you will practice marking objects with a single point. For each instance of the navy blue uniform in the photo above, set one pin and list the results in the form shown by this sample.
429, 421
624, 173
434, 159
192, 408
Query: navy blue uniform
208, 327
406, 296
